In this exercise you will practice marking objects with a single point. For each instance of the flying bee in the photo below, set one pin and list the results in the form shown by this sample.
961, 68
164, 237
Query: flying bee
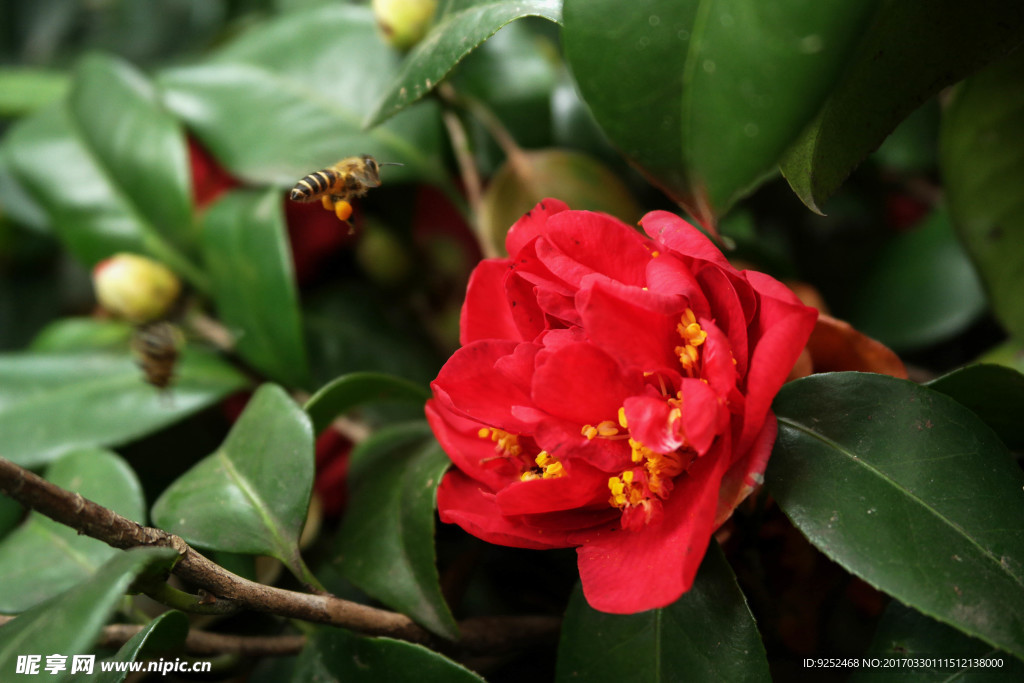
336, 186
156, 347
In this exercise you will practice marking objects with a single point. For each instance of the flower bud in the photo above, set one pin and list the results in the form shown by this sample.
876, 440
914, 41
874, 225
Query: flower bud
404, 22
135, 288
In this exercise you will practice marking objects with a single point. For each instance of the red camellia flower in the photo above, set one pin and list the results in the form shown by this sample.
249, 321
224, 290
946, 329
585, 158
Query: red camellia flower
612, 394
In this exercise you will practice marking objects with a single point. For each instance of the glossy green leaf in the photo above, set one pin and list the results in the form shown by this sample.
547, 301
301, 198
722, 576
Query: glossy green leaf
904, 633
104, 193
81, 334
116, 109
911, 51
252, 494
983, 165
358, 388
910, 491
289, 97
51, 403
708, 634
995, 393
165, 633
70, 623
42, 557
24, 89
246, 247
457, 32
1009, 353
705, 96
337, 656
386, 542
919, 289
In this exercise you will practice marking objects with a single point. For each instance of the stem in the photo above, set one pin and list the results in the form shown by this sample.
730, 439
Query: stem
186, 602
96, 521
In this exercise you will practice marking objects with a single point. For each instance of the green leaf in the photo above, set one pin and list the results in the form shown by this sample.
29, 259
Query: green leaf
26, 89
70, 623
904, 633
709, 633
909, 490
995, 393
102, 192
42, 557
919, 289
246, 247
982, 162
140, 146
457, 33
165, 633
11, 513
386, 542
289, 96
1009, 353
358, 388
51, 403
337, 656
910, 53
82, 334
705, 96
252, 494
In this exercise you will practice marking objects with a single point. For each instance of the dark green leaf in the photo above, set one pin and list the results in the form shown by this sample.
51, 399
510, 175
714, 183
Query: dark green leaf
10, 514
983, 164
995, 393
289, 97
69, 623
1010, 354
454, 36
386, 541
920, 288
350, 391
43, 557
51, 403
252, 494
912, 51
708, 634
705, 96
23, 89
337, 656
137, 143
910, 491
907, 634
246, 247
81, 187
166, 632
82, 334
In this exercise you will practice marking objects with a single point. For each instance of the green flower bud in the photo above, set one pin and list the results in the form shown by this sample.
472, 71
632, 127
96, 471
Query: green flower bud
135, 288
404, 22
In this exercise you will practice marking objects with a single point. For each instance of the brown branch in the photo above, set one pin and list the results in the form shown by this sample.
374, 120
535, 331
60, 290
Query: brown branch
96, 521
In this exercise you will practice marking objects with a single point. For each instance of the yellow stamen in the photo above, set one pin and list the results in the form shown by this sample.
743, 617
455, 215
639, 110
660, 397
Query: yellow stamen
504, 443
622, 417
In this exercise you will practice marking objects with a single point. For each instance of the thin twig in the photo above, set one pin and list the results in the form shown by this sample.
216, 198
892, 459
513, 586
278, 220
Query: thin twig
96, 521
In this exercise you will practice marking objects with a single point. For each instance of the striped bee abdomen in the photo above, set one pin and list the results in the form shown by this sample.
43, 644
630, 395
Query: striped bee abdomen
315, 185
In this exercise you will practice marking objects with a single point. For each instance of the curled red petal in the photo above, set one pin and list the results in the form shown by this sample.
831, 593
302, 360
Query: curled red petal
533, 223
486, 313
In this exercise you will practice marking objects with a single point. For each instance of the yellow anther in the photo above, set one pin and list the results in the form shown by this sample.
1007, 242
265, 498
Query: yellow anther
589, 431
655, 254
504, 443
552, 468
607, 428
622, 417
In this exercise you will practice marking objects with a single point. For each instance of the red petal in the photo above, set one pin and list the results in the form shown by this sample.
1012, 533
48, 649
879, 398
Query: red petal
563, 440
779, 333
673, 232
624, 572
474, 455
486, 313
704, 415
460, 500
582, 384
582, 487
669, 275
746, 473
635, 326
650, 423
582, 242
533, 223
733, 305
470, 384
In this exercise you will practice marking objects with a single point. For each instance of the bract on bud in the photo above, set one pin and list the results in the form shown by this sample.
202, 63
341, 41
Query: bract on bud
135, 288
404, 22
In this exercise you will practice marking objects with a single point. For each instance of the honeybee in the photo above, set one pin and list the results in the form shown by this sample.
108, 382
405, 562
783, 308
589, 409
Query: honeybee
156, 347
336, 186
